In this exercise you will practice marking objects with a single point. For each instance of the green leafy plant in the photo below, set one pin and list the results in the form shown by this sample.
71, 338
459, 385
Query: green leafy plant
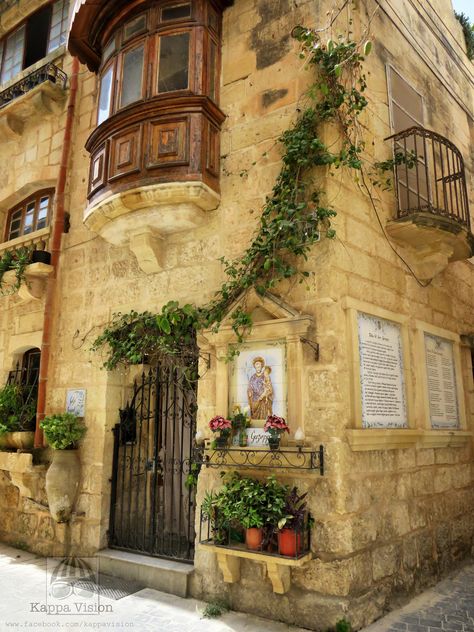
16, 260
245, 502
295, 215
379, 176
343, 625
63, 430
468, 31
17, 410
215, 609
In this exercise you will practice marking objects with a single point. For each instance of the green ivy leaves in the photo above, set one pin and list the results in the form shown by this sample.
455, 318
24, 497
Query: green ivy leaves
293, 217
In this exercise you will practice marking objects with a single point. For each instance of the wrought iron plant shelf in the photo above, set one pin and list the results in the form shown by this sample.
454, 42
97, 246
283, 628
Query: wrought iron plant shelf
299, 458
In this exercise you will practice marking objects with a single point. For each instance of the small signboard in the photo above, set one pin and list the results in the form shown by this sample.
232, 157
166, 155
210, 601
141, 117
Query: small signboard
76, 401
257, 437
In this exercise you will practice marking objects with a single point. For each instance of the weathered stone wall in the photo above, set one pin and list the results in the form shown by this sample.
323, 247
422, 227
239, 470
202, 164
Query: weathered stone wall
387, 521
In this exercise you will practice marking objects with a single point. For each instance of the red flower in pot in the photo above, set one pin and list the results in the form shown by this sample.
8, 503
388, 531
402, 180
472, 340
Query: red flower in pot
222, 426
275, 426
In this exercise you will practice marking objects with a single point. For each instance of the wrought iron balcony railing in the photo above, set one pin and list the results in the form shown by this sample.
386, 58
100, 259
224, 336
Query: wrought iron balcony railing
429, 176
48, 72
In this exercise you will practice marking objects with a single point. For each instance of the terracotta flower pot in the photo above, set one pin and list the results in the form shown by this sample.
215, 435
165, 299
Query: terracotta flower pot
289, 542
254, 538
22, 440
62, 483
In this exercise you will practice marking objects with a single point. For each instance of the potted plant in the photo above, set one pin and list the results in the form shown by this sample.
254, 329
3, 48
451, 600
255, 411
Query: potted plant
63, 431
249, 504
223, 427
17, 417
275, 426
291, 525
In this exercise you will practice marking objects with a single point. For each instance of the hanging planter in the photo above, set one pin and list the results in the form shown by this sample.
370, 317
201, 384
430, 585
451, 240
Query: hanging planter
62, 483
63, 431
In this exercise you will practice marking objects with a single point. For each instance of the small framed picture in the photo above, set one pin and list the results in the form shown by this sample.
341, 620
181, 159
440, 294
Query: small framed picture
76, 401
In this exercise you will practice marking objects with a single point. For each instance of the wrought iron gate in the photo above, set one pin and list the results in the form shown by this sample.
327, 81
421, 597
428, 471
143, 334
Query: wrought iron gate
152, 507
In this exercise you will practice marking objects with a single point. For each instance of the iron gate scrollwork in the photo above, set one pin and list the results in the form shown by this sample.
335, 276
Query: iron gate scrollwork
152, 507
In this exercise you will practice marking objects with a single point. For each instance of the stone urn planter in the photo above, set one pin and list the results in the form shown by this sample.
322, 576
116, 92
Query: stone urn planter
23, 440
62, 483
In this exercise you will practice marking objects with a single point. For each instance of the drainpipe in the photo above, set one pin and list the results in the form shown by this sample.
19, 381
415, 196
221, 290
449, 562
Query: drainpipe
58, 229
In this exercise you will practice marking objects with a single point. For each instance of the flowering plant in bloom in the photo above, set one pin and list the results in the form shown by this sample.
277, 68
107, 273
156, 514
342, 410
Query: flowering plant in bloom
276, 425
219, 423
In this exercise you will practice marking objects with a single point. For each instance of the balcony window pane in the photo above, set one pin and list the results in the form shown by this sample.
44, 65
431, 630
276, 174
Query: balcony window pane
174, 61
29, 218
105, 95
138, 25
15, 224
59, 24
178, 12
43, 209
132, 75
13, 55
108, 50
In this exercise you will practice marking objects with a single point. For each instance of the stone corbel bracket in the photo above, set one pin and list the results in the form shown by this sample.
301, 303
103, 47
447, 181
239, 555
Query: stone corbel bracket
278, 568
142, 218
42, 100
36, 277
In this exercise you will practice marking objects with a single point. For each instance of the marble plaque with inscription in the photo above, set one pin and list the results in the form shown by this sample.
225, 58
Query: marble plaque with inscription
381, 373
442, 389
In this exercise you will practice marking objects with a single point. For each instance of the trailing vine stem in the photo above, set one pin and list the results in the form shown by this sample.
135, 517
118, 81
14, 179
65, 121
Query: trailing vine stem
294, 217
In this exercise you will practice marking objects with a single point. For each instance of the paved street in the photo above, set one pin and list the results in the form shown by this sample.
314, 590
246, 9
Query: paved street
25, 598
35, 594
449, 606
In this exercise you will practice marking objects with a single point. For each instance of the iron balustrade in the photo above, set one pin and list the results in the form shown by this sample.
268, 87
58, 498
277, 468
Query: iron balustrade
248, 458
48, 72
429, 176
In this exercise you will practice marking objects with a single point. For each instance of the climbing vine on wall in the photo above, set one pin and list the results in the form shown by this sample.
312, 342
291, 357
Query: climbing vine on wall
294, 217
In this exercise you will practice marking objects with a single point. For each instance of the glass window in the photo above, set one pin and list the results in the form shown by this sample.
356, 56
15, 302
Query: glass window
13, 56
179, 12
59, 25
31, 215
43, 210
15, 224
173, 73
105, 98
138, 25
109, 50
132, 76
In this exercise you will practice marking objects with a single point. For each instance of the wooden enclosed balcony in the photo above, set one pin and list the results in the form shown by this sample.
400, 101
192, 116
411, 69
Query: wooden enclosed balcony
432, 220
155, 152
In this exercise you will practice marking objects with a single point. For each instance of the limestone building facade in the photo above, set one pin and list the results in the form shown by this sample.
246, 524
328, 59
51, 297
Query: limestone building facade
139, 143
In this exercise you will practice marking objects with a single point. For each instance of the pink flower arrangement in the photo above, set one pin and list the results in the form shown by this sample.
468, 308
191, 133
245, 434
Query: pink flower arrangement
276, 425
219, 423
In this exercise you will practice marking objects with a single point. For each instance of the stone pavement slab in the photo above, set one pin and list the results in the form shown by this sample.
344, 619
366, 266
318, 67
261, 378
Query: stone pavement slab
26, 603
448, 607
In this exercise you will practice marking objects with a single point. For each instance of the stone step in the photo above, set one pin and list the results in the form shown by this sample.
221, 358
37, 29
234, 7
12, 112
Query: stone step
164, 575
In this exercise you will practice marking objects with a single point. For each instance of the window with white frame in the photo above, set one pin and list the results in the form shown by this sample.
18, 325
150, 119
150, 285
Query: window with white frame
41, 33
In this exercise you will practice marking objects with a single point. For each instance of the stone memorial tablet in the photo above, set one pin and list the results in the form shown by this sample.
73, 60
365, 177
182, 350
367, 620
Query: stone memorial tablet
381, 373
442, 390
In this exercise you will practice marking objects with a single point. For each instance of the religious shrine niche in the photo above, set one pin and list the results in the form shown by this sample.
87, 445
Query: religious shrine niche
265, 378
